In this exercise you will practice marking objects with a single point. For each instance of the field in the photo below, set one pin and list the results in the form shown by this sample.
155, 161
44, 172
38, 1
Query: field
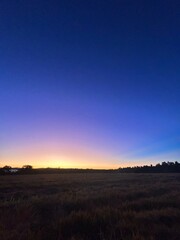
90, 206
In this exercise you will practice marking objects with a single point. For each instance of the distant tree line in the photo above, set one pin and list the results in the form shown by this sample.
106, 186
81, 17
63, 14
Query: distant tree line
164, 167
10, 170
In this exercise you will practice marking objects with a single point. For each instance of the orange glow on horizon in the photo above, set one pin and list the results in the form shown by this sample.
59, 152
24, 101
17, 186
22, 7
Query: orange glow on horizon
57, 163
73, 159
66, 156
54, 161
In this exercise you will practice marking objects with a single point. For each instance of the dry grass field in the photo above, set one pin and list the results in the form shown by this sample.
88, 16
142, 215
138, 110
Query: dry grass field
90, 206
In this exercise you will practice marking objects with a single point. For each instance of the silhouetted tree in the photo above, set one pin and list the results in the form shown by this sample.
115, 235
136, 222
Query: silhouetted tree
27, 167
7, 169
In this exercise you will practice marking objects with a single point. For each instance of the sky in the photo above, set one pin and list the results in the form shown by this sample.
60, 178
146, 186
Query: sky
89, 84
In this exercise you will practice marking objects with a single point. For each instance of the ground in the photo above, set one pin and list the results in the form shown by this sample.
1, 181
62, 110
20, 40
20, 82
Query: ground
85, 206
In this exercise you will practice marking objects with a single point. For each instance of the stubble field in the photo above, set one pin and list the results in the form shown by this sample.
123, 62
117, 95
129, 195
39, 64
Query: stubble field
90, 206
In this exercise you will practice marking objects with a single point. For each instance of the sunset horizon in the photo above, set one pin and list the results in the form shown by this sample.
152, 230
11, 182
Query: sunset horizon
89, 84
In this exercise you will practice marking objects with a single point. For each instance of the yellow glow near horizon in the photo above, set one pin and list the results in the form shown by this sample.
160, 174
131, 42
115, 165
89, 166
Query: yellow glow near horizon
61, 161
45, 155
61, 164
69, 157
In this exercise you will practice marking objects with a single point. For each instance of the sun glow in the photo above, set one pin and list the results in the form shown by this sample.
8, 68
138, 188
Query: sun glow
60, 161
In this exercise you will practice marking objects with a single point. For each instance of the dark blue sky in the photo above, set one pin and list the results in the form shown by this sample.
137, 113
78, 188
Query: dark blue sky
89, 83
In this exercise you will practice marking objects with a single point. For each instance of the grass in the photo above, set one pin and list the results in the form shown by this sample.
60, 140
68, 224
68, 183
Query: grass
85, 206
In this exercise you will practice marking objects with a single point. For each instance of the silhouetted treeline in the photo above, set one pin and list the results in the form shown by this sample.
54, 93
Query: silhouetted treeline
28, 169
164, 167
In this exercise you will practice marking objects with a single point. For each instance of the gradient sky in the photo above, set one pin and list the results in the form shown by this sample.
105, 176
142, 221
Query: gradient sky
89, 83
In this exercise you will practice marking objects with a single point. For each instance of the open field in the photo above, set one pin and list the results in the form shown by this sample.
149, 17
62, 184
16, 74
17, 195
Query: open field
85, 206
